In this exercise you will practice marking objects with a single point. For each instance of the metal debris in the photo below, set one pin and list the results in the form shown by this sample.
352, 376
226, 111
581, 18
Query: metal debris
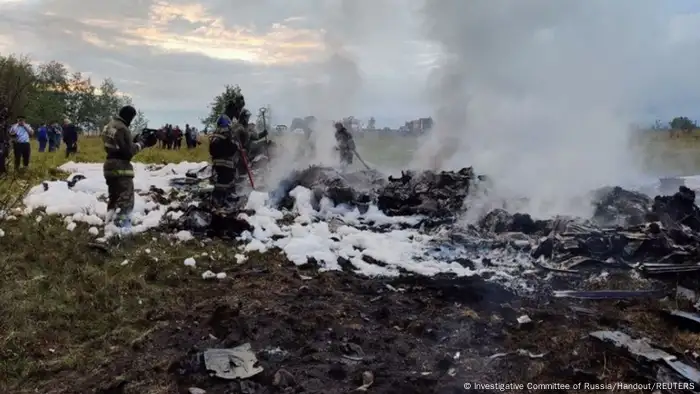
608, 294
660, 269
367, 381
687, 320
641, 349
686, 294
519, 352
237, 363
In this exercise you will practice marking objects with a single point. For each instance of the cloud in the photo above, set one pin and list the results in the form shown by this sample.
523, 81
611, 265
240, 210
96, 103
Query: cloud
174, 56
364, 57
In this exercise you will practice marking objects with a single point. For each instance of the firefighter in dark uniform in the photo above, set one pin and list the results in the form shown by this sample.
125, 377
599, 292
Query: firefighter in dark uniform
225, 154
345, 144
250, 139
118, 171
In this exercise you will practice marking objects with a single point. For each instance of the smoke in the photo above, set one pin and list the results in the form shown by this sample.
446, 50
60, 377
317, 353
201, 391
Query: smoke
331, 87
539, 95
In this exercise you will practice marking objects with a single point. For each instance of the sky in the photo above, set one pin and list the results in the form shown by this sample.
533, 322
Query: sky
381, 58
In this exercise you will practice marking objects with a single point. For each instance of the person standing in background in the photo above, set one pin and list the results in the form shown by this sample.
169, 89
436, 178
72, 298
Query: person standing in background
70, 137
57, 135
42, 136
20, 133
51, 135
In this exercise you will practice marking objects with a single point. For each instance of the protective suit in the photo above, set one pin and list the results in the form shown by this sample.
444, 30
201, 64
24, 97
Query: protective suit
225, 155
117, 169
345, 145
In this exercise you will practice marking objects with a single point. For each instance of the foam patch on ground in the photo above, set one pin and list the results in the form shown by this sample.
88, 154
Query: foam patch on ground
372, 243
86, 200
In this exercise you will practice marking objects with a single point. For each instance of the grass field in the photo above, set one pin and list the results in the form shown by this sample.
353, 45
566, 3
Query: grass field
67, 307
65, 304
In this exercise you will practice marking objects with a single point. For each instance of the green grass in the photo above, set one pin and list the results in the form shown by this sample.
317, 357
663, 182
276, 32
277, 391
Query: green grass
662, 154
65, 304
43, 166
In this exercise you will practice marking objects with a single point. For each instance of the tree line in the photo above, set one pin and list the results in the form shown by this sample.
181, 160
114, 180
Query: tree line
49, 92
679, 123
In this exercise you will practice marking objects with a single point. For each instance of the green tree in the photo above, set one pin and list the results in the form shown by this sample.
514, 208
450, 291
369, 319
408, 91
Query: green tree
107, 102
80, 101
682, 123
17, 81
218, 105
48, 95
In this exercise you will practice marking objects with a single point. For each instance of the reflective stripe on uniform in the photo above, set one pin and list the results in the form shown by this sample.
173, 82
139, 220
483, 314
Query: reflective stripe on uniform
224, 186
119, 173
228, 163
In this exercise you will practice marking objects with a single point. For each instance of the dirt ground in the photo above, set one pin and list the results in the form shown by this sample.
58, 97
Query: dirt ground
111, 327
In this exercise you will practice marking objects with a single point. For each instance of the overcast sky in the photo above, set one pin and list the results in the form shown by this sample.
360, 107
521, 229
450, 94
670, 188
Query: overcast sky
364, 57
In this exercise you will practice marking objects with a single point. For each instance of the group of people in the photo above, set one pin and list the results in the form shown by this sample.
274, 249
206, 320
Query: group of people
232, 143
171, 137
50, 136
17, 141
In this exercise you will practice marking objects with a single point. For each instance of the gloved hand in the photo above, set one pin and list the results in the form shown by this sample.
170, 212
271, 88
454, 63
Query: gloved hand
263, 134
150, 140
138, 138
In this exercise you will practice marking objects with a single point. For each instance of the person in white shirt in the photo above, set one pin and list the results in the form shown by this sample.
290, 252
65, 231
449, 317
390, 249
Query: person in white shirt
20, 133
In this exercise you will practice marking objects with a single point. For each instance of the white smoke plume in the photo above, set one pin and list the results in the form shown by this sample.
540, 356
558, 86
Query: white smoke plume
331, 88
539, 94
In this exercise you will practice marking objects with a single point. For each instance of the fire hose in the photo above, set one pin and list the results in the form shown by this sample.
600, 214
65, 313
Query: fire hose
247, 168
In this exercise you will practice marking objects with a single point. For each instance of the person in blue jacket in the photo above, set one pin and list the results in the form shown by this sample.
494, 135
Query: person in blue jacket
42, 136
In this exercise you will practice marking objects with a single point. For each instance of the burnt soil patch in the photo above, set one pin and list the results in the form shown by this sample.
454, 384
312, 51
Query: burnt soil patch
131, 318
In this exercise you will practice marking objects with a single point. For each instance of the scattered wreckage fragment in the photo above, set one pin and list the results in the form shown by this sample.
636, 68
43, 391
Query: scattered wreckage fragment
650, 357
608, 294
687, 320
665, 242
237, 363
437, 196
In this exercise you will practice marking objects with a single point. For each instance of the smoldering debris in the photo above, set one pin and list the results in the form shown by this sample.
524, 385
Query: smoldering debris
437, 197
628, 232
647, 248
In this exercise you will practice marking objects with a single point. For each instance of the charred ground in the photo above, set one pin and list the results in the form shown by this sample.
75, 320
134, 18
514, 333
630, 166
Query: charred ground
78, 320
